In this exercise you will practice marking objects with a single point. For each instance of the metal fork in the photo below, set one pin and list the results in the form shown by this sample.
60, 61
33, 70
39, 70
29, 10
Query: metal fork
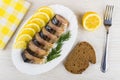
107, 24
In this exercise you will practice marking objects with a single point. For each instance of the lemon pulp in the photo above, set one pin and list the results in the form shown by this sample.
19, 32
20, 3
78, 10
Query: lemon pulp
91, 21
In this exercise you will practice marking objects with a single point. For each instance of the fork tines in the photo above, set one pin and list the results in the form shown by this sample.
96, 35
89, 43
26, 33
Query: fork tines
108, 12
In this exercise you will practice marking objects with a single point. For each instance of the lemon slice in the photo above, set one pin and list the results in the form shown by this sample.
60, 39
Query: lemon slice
38, 21
47, 10
20, 45
29, 31
33, 26
91, 21
42, 16
24, 37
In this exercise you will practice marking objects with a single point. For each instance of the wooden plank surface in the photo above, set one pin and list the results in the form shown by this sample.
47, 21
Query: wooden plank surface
96, 38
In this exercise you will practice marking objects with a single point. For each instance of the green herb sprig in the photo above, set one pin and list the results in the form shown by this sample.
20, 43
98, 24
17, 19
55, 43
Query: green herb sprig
55, 52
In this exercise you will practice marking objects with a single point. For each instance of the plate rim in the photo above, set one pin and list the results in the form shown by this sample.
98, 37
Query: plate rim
42, 64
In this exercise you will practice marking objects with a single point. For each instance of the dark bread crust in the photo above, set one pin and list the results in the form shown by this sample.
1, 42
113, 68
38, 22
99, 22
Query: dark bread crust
79, 58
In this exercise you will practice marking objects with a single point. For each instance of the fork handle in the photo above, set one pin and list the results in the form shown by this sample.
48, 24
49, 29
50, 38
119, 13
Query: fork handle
104, 58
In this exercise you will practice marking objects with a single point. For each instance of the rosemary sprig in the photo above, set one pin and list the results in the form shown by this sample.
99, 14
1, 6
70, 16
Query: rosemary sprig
55, 52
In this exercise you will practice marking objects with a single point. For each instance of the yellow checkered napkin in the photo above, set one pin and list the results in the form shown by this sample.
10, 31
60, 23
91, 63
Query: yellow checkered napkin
11, 13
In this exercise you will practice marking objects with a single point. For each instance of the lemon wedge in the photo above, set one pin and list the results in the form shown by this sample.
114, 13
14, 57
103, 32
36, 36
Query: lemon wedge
18, 45
47, 10
91, 21
29, 31
38, 21
42, 16
24, 37
33, 26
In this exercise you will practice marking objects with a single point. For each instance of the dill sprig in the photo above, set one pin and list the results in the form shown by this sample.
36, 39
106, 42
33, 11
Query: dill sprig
55, 52
64, 37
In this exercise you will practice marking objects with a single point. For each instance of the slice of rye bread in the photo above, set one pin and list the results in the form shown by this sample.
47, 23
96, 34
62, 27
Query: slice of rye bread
79, 58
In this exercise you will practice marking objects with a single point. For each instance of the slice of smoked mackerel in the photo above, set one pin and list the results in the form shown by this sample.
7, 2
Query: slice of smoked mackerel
39, 47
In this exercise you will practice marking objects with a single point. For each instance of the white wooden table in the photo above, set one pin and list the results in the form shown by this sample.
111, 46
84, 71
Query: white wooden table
96, 38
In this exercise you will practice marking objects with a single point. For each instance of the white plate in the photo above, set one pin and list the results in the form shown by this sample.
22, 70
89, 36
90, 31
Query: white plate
34, 69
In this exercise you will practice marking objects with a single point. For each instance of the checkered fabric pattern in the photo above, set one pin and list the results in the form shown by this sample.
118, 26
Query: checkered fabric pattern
11, 13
